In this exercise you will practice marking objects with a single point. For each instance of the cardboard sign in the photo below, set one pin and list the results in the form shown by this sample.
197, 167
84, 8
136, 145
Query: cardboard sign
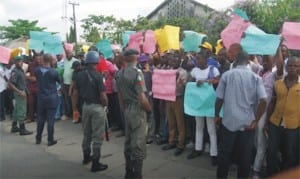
164, 84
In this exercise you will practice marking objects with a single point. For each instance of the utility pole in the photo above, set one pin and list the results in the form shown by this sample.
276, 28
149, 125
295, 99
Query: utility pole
74, 23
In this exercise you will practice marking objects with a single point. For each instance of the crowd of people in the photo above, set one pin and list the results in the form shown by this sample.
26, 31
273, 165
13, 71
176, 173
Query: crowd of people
260, 94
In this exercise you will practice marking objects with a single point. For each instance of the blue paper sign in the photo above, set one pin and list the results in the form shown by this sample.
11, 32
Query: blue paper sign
45, 41
192, 40
241, 13
200, 101
104, 47
257, 42
125, 37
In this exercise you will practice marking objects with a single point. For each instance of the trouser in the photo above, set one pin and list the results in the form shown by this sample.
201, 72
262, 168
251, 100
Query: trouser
45, 114
2, 111
176, 121
211, 128
8, 101
67, 101
288, 138
114, 117
190, 128
31, 105
19, 112
58, 109
230, 143
135, 132
261, 144
93, 124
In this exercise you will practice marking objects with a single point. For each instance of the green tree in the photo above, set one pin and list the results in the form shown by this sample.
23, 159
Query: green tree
269, 15
19, 28
70, 36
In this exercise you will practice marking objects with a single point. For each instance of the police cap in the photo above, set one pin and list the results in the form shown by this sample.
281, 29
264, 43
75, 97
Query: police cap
130, 52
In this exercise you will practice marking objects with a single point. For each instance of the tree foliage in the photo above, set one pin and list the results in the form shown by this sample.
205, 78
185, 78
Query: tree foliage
70, 36
19, 28
269, 15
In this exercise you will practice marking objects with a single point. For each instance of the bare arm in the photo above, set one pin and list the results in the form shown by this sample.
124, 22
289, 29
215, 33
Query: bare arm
75, 99
15, 89
260, 111
280, 63
144, 102
103, 99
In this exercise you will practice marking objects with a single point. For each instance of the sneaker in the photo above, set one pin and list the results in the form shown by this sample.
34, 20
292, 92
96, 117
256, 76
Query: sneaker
169, 146
178, 151
214, 161
194, 154
64, 118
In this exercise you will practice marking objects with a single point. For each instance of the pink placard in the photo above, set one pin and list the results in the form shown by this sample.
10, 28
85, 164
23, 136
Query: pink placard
4, 55
291, 34
135, 41
164, 84
234, 31
149, 45
68, 46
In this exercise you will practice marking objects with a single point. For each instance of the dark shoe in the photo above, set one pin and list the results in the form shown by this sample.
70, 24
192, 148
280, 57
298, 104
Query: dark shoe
50, 143
169, 146
149, 141
96, 166
14, 128
87, 158
194, 154
2, 119
24, 131
161, 141
37, 141
214, 161
178, 151
129, 169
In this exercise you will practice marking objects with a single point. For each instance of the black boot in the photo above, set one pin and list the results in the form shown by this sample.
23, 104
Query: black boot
14, 127
129, 169
86, 158
96, 166
137, 169
23, 130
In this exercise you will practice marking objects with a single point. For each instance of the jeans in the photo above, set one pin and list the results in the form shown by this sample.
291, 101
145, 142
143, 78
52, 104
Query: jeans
67, 102
230, 144
288, 138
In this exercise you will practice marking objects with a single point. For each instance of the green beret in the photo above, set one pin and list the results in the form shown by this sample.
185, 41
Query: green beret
18, 58
130, 52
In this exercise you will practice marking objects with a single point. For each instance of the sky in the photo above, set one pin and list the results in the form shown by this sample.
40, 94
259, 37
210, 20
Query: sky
51, 13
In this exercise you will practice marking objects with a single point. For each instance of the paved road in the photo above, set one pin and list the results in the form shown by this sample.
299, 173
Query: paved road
21, 158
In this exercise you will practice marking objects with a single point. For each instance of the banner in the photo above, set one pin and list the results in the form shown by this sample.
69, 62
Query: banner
125, 37
4, 55
257, 42
149, 45
164, 84
192, 40
104, 47
200, 101
135, 41
45, 41
168, 38
234, 31
68, 46
291, 34
241, 13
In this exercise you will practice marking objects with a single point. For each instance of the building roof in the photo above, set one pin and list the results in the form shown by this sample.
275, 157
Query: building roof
167, 1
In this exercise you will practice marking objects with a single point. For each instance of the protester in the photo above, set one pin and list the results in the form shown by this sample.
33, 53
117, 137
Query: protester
268, 75
17, 83
32, 86
67, 79
239, 90
3, 86
76, 66
223, 60
284, 120
174, 109
47, 99
89, 86
201, 74
134, 104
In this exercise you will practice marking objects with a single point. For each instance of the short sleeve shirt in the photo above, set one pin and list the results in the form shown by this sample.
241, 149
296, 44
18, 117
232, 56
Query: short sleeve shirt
68, 71
241, 90
199, 74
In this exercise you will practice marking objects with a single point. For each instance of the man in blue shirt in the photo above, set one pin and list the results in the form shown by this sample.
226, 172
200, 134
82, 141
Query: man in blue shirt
47, 99
243, 94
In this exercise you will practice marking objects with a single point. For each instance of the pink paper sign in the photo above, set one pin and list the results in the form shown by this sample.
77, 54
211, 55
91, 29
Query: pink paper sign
4, 55
291, 34
164, 84
149, 45
135, 41
69, 46
234, 31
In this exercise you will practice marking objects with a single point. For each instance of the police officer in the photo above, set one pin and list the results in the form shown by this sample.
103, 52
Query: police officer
134, 103
88, 85
17, 83
47, 99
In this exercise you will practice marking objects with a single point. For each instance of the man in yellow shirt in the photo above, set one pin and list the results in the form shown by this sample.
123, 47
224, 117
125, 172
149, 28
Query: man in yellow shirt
284, 123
